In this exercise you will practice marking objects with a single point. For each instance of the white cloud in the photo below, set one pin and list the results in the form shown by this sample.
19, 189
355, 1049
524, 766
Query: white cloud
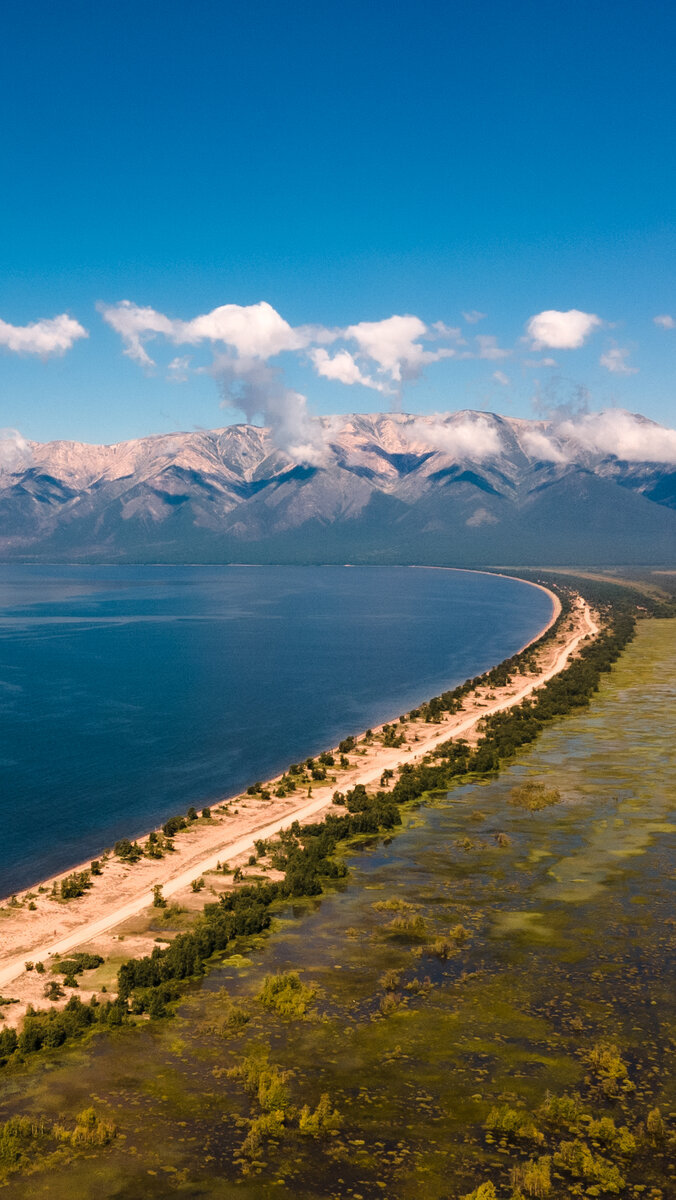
52, 335
466, 435
15, 453
387, 353
254, 331
295, 431
561, 330
344, 368
665, 321
627, 436
394, 345
500, 377
474, 316
135, 326
615, 361
243, 339
540, 445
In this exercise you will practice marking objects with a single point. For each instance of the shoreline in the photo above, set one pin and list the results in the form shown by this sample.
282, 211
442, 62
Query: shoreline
517, 578
124, 891
84, 864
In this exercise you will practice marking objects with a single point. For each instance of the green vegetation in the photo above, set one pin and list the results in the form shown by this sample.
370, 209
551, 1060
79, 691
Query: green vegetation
128, 851
76, 963
286, 995
323, 1119
75, 885
24, 1139
534, 796
50, 1028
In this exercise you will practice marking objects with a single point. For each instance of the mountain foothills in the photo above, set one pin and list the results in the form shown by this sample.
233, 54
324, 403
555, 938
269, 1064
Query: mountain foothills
460, 489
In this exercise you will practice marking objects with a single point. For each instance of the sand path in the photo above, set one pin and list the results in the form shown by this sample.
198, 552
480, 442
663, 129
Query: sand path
457, 725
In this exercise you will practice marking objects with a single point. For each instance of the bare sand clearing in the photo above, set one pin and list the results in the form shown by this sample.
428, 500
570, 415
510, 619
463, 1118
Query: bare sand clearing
118, 908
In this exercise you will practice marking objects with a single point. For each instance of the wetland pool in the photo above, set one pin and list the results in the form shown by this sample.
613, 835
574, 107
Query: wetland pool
473, 960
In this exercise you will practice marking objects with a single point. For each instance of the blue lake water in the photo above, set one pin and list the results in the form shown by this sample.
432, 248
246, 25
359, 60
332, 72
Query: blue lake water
129, 693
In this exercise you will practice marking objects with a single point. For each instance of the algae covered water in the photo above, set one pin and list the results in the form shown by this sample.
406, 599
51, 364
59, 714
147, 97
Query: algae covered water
484, 958
130, 693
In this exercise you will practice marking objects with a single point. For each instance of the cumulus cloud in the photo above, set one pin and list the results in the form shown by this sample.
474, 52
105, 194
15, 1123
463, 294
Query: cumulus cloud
473, 316
665, 321
615, 361
561, 330
394, 344
52, 335
344, 368
627, 436
468, 435
253, 331
380, 355
15, 452
500, 377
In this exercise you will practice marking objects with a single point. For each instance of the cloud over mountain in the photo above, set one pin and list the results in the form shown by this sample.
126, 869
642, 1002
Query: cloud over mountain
465, 488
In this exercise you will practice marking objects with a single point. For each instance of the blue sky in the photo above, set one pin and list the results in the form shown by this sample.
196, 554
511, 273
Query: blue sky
341, 164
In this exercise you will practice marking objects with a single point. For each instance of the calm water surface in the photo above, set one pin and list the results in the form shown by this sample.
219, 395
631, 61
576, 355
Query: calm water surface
130, 693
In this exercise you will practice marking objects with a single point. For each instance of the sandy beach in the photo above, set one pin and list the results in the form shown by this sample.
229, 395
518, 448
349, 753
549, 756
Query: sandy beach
113, 918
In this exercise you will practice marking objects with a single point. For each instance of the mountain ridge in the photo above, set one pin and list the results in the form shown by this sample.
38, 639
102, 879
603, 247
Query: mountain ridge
465, 488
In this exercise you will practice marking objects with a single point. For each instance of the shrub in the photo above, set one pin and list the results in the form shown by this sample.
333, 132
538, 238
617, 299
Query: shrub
533, 1177
534, 796
323, 1119
514, 1123
128, 851
286, 995
609, 1070
485, 1191
76, 963
172, 826
75, 885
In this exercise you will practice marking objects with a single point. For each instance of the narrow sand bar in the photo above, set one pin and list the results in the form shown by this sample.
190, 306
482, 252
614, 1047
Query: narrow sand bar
124, 891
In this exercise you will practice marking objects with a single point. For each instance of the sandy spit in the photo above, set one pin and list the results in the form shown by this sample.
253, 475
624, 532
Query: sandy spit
123, 892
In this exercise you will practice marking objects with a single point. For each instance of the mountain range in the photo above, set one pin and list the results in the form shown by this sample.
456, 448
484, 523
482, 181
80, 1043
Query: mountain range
462, 489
